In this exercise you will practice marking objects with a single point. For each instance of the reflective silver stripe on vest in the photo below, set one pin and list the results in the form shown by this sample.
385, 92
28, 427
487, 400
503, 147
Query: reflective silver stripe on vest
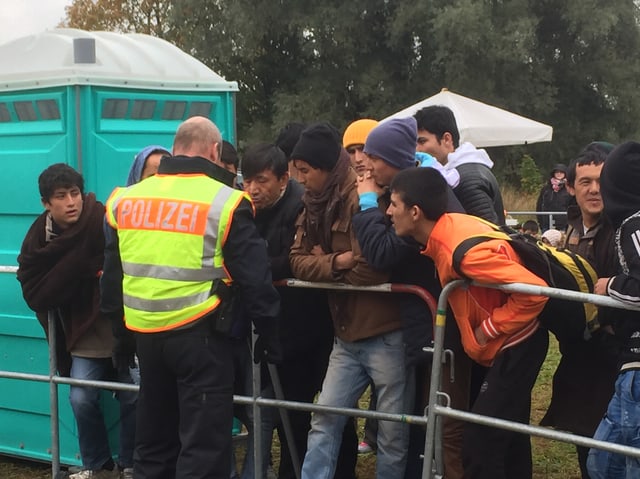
213, 224
164, 305
208, 273
115, 203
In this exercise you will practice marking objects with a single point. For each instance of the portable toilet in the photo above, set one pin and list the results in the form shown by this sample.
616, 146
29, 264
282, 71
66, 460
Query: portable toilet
91, 100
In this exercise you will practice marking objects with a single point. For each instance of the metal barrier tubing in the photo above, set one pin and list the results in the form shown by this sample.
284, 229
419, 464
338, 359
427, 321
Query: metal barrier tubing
549, 214
432, 420
438, 311
435, 410
254, 400
53, 400
297, 283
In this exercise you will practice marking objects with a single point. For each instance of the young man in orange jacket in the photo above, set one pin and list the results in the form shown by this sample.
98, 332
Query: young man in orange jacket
499, 330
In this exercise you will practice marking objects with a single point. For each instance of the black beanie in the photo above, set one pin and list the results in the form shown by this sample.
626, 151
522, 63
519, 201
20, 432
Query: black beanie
289, 136
619, 183
319, 145
559, 167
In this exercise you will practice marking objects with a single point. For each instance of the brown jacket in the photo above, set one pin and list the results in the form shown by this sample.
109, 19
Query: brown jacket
63, 275
587, 369
356, 315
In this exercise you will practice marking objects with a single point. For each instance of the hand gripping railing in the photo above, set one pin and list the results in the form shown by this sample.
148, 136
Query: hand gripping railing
432, 464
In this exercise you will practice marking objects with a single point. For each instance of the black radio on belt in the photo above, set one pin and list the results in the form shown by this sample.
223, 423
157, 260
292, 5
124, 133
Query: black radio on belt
223, 315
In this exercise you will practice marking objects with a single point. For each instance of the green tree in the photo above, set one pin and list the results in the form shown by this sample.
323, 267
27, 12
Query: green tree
530, 177
569, 63
589, 49
304, 61
126, 16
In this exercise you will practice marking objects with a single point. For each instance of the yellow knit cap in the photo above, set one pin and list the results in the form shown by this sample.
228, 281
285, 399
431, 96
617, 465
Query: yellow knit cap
356, 133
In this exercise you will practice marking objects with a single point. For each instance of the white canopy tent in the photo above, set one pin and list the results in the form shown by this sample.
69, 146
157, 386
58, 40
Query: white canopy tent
484, 125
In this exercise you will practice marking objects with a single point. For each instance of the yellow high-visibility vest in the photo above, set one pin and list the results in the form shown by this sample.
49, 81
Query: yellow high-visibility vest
171, 230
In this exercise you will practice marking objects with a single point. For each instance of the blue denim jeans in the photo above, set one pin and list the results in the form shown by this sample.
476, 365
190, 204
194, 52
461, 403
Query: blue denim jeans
352, 366
621, 425
85, 402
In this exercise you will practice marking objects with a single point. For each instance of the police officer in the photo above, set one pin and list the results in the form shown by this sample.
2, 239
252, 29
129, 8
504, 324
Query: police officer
179, 242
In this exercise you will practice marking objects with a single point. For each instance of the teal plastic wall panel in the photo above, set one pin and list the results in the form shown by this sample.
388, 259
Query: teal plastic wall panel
27, 147
69, 124
25, 405
118, 123
37, 129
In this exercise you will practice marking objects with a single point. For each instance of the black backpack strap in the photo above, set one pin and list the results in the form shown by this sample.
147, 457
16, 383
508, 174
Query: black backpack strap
463, 248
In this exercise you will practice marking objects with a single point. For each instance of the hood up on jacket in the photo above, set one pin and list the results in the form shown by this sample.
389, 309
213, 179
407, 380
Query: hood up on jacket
135, 173
619, 183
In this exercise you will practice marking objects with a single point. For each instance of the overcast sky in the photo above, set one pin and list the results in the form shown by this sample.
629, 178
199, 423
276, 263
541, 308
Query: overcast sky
24, 17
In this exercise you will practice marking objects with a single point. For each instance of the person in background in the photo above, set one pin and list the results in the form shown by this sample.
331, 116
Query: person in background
175, 279
59, 267
231, 162
554, 196
587, 367
553, 237
305, 328
353, 141
621, 424
390, 148
478, 189
145, 163
287, 138
368, 345
499, 330
530, 227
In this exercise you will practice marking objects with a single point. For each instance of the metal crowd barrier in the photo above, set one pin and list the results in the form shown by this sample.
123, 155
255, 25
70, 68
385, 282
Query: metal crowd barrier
255, 400
550, 214
432, 467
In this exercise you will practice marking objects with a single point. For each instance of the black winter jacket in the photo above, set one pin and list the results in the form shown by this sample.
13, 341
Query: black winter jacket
549, 200
479, 193
625, 287
586, 368
305, 320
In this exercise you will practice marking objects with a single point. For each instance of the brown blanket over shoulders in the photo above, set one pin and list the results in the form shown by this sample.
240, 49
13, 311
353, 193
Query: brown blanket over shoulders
63, 274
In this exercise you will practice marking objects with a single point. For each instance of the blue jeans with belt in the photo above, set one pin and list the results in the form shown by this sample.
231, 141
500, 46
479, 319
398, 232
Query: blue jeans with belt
621, 425
352, 366
93, 438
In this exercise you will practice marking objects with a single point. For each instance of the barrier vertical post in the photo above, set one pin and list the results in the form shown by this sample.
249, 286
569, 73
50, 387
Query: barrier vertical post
284, 418
53, 397
436, 376
257, 413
